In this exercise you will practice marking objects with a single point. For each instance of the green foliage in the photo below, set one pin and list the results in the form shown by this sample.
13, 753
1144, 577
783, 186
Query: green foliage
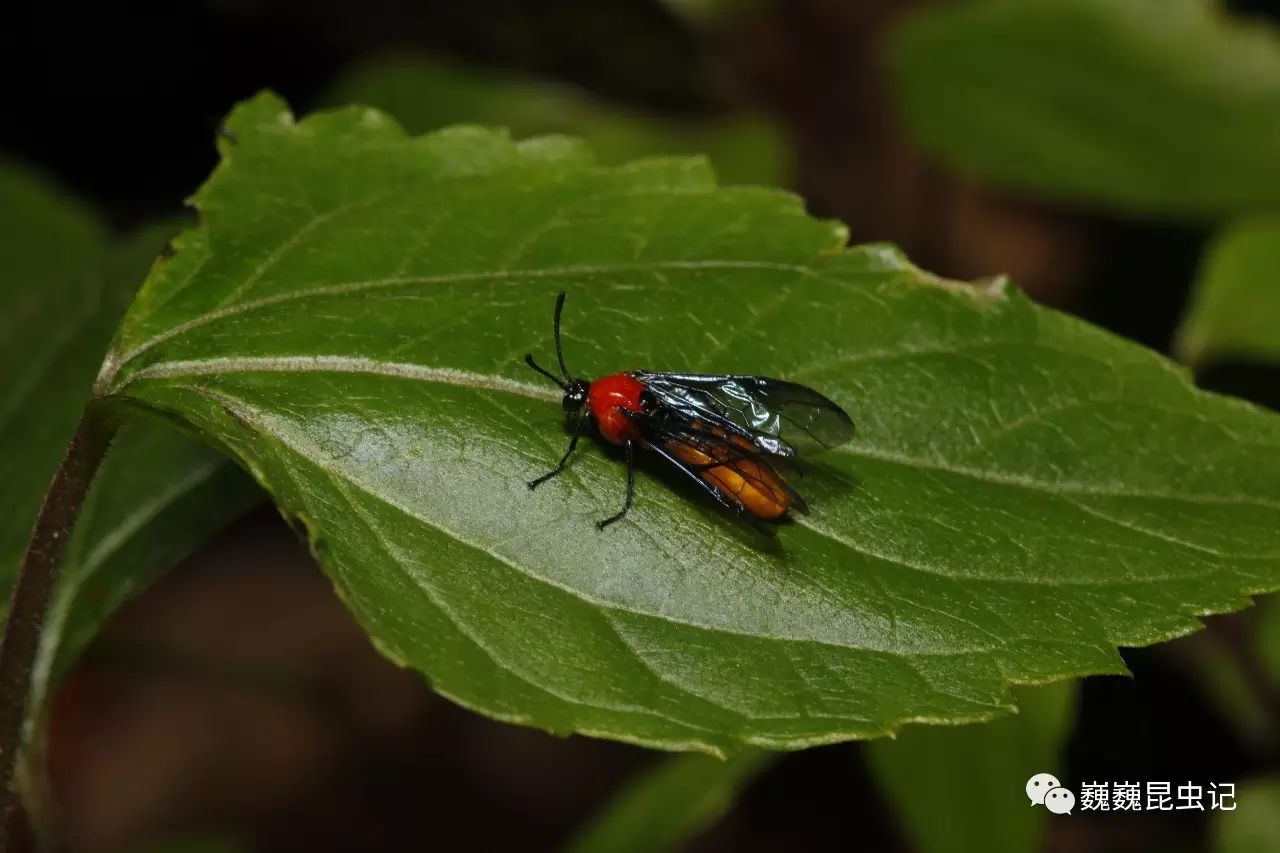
946, 809
1235, 313
426, 93
1025, 492
1153, 107
49, 339
1254, 826
1235, 309
1222, 673
49, 239
669, 804
159, 494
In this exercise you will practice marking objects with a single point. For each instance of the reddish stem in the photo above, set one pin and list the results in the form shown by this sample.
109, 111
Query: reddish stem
36, 581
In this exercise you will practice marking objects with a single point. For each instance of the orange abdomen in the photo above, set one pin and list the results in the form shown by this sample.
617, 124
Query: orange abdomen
758, 488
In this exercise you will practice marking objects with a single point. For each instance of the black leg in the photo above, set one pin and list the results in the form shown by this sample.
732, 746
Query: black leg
631, 488
573, 442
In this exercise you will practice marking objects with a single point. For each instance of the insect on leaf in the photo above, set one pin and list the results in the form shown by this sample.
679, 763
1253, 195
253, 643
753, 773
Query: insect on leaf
1024, 492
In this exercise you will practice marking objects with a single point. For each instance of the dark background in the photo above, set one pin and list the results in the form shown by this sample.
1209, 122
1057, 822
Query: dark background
237, 696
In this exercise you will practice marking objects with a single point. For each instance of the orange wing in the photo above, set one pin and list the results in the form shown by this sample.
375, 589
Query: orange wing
734, 470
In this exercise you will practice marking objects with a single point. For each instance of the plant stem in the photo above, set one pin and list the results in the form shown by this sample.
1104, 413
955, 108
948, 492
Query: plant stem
31, 593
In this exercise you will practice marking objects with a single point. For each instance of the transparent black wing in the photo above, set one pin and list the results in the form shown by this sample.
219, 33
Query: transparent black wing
781, 418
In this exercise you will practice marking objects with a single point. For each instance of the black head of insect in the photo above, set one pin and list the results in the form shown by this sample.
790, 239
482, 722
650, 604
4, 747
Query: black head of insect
575, 390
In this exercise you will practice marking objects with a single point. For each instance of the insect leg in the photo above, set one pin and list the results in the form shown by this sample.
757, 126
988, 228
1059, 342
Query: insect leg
631, 488
573, 443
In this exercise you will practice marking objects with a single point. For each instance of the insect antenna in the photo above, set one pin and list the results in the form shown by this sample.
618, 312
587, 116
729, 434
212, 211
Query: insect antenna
559, 350
528, 359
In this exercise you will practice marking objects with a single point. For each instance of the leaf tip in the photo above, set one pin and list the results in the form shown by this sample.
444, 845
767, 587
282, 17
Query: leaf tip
888, 257
556, 148
263, 109
994, 287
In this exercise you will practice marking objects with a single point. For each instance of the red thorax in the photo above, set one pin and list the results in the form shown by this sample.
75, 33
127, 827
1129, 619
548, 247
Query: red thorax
609, 399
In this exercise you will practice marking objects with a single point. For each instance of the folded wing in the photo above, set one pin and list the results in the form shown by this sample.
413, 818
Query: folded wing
779, 418
729, 466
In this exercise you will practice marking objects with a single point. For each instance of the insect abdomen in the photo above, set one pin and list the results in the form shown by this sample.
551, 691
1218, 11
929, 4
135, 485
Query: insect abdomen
756, 487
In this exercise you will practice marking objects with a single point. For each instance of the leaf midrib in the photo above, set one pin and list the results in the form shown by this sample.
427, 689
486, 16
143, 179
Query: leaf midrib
106, 383
493, 382
497, 383
247, 413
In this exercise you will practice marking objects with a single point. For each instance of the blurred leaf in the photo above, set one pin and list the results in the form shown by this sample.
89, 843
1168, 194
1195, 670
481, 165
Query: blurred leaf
1234, 313
950, 786
158, 497
49, 237
48, 302
1025, 493
670, 804
159, 494
1152, 107
425, 93
1254, 826
1235, 309
712, 12
1222, 673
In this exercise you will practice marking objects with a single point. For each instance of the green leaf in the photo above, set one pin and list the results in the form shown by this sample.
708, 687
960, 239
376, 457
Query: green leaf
1234, 312
669, 804
50, 237
425, 93
1151, 107
951, 786
1223, 675
1241, 677
1235, 308
48, 300
159, 494
1254, 825
1025, 492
